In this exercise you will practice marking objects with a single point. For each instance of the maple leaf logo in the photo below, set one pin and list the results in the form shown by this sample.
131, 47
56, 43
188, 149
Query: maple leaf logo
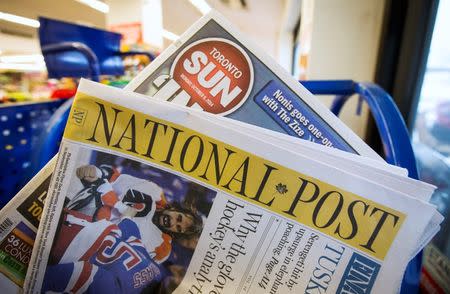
281, 188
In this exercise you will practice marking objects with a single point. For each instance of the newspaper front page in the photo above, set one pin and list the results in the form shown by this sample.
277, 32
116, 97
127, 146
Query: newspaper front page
152, 198
213, 67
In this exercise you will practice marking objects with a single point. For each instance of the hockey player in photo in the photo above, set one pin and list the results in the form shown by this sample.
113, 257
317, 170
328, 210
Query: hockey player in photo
100, 257
110, 195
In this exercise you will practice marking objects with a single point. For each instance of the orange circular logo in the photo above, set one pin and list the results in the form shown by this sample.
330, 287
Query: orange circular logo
215, 73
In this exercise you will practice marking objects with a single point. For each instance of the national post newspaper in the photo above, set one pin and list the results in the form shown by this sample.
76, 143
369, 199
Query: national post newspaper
149, 198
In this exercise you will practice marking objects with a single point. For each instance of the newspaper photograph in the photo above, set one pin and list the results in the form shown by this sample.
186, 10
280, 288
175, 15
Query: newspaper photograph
146, 197
157, 221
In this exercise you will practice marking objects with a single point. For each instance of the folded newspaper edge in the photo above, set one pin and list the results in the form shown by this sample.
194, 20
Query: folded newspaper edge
378, 250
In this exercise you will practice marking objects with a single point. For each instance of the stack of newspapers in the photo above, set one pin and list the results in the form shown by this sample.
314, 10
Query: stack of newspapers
254, 187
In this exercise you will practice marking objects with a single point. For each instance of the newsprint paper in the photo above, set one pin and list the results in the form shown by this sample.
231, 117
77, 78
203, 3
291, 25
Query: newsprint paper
214, 68
146, 197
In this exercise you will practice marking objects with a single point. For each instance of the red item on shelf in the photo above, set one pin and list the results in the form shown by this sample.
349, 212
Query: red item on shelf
63, 93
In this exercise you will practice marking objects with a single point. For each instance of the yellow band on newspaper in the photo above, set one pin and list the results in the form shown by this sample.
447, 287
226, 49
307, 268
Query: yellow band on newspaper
349, 218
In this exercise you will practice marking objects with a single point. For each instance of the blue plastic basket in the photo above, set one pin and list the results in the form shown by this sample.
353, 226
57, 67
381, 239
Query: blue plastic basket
20, 127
